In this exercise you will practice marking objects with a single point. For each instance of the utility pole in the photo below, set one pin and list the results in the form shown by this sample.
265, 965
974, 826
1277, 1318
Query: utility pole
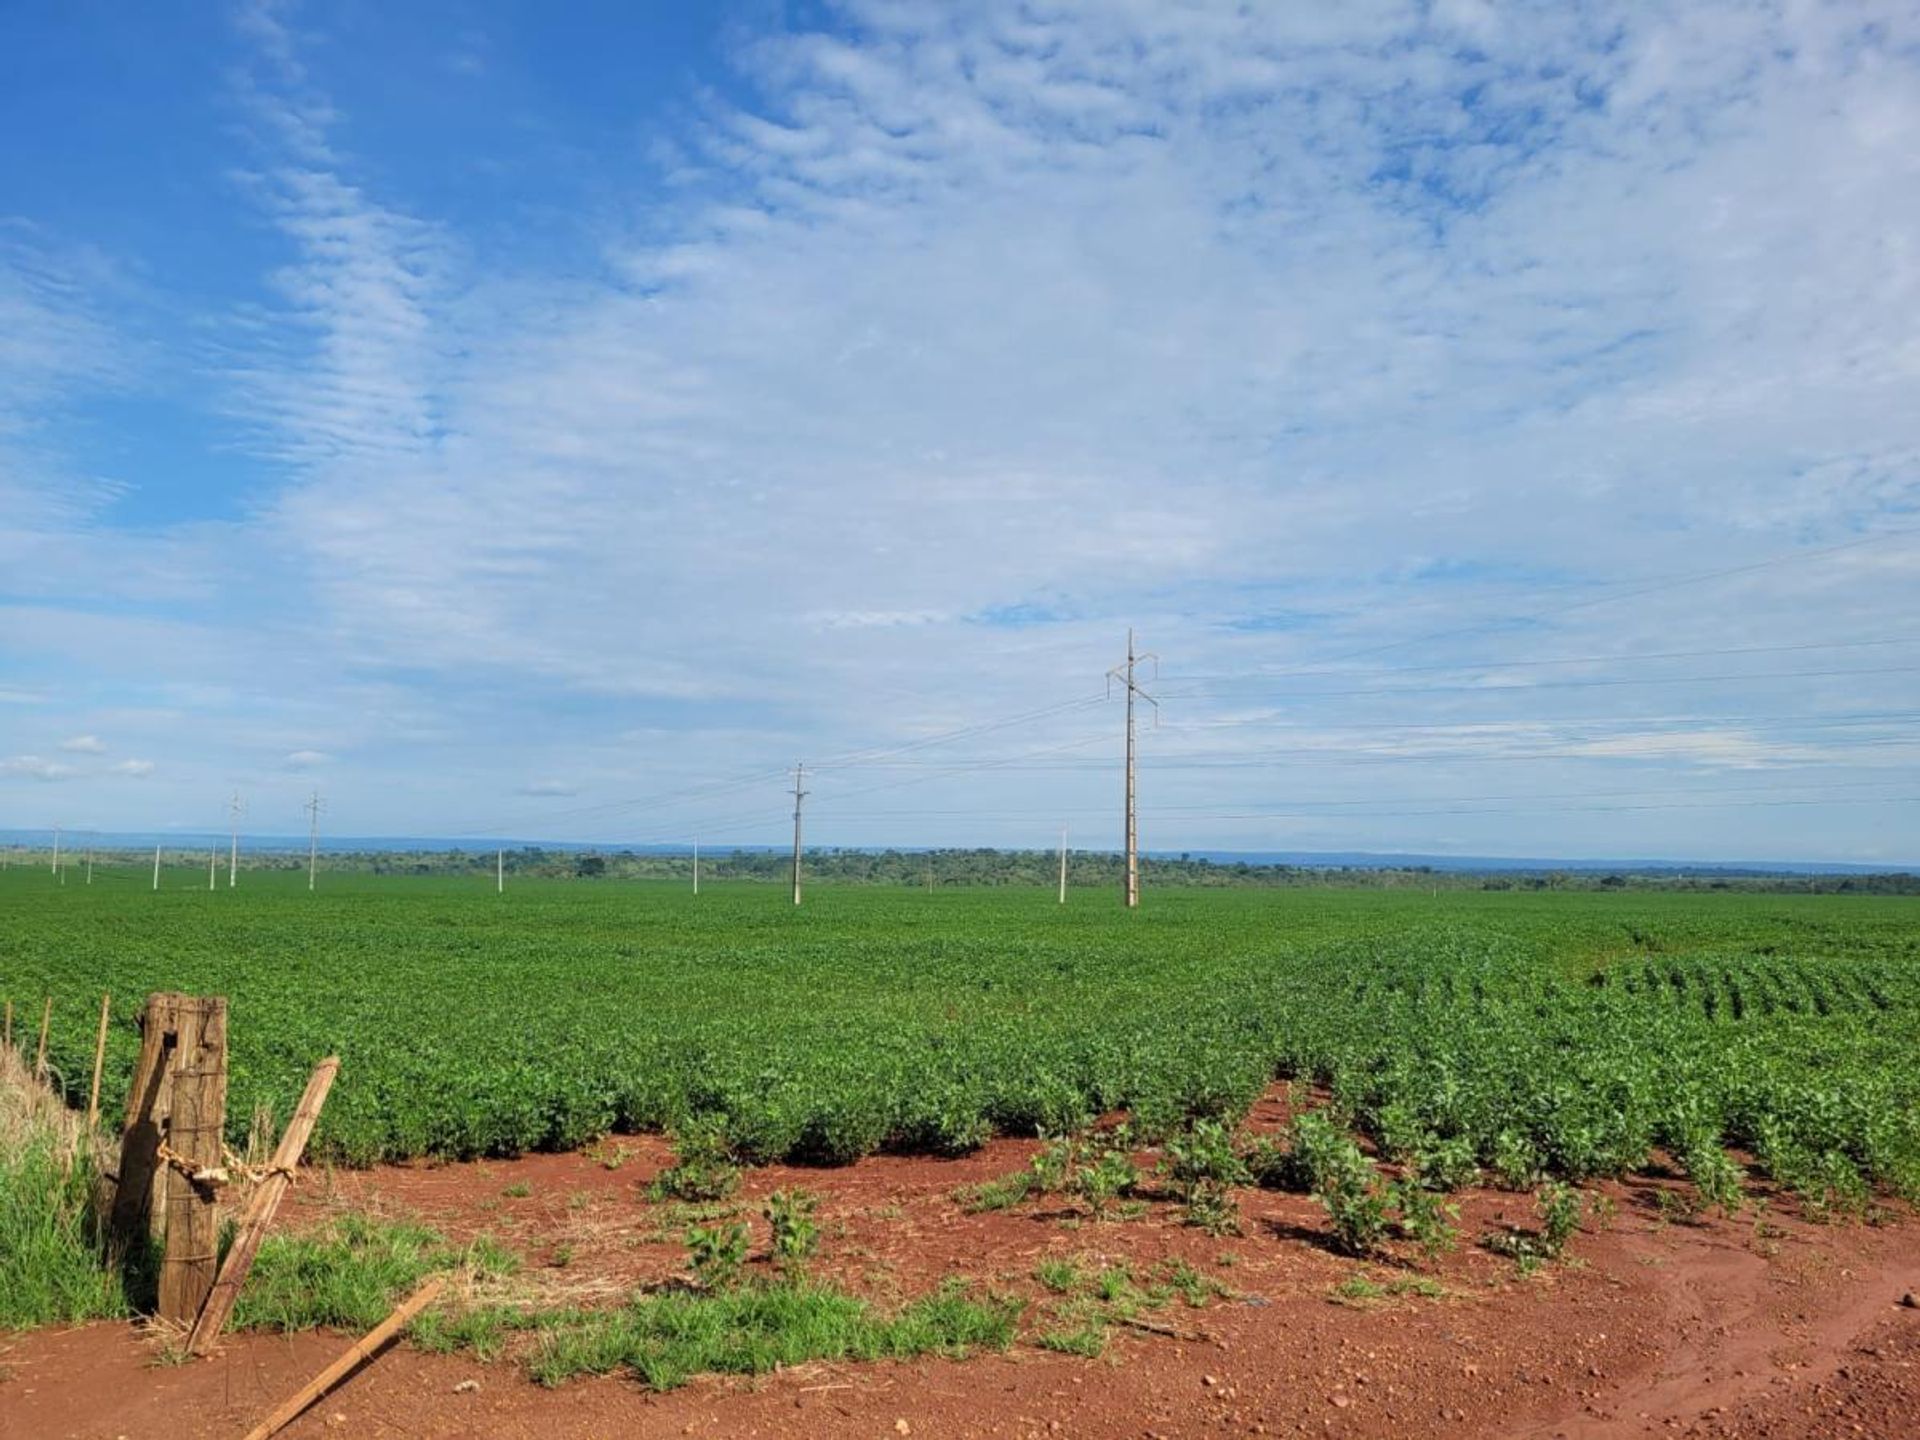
500, 871
1124, 674
799, 794
156, 867
312, 807
696, 864
213, 867
89, 865
1063, 864
234, 807
56, 849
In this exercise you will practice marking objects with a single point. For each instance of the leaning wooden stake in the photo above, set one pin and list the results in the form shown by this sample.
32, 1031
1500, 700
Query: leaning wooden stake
40, 1057
340, 1368
99, 1058
260, 1210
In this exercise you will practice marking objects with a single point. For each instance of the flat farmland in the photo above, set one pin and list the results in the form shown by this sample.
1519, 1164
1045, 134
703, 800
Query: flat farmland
1569, 1035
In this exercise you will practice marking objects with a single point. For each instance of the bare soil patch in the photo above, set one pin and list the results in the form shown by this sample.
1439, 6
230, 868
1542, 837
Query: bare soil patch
1771, 1327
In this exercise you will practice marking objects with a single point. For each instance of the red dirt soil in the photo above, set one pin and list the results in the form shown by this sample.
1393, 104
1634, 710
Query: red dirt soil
1773, 1327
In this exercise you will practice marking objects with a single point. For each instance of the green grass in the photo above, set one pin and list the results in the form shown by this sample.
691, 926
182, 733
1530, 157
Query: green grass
1564, 1035
667, 1338
349, 1274
53, 1269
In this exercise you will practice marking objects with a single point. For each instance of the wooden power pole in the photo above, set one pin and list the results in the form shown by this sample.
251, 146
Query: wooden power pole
799, 794
1124, 673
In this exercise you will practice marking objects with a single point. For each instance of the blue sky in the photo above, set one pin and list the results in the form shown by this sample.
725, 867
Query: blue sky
555, 421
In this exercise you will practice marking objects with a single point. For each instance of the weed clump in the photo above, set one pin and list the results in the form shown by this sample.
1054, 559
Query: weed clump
704, 1167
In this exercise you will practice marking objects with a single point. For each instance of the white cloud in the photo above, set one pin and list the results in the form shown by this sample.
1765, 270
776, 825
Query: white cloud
33, 767
136, 769
307, 759
84, 745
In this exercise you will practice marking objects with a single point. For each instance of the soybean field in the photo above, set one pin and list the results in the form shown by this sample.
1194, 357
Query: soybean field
1558, 1034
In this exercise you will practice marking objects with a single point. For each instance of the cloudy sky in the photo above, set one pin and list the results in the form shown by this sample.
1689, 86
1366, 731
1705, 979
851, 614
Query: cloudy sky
1502, 421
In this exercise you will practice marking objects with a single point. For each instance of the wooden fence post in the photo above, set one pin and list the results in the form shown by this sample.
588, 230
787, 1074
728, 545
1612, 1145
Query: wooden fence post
149, 1099
176, 1115
195, 1129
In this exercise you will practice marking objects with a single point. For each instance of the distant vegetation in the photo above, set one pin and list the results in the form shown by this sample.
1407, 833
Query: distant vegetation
1031, 869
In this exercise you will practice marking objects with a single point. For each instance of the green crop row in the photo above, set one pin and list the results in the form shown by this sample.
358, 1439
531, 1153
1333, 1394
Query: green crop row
1566, 1035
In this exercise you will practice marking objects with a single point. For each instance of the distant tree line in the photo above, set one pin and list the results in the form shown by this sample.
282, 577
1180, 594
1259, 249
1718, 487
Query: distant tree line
981, 866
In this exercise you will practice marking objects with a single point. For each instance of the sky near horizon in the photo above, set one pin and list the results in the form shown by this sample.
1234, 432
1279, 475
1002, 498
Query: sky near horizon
1503, 422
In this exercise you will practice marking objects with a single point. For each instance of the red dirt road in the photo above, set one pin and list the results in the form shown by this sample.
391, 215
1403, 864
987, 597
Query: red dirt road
1777, 1328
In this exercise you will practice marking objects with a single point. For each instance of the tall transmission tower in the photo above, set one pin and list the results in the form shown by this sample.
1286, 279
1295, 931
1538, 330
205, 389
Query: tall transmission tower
234, 808
1124, 673
799, 794
312, 807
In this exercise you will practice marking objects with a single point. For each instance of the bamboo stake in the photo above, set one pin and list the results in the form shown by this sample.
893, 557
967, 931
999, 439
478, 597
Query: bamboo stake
260, 1210
340, 1368
40, 1059
99, 1058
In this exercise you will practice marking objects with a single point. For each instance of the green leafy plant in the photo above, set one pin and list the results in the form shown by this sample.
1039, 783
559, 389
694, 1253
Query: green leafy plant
1514, 1160
1105, 1179
1202, 1167
1560, 1208
1424, 1217
715, 1254
1445, 1165
704, 1166
796, 1234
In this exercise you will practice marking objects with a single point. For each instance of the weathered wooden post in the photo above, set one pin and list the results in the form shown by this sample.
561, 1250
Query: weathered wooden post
40, 1055
170, 1150
195, 1130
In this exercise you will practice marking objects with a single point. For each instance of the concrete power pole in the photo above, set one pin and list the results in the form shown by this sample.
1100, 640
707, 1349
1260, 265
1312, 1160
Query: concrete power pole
234, 807
156, 867
799, 794
56, 849
500, 871
1063, 864
696, 864
213, 868
312, 807
1124, 674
